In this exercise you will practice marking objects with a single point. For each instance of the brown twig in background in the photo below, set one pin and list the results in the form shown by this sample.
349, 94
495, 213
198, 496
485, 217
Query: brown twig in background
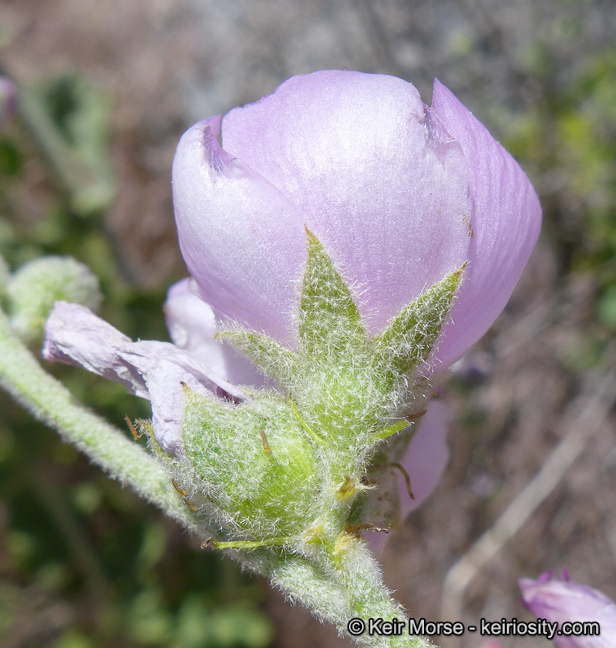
586, 415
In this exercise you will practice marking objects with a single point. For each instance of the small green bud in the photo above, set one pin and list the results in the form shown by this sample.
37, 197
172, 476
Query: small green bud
36, 286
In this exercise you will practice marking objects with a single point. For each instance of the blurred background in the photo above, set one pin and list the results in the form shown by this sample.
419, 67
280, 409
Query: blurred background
106, 90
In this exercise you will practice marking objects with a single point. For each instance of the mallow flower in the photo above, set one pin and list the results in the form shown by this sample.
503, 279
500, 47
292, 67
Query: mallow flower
346, 243
398, 194
560, 600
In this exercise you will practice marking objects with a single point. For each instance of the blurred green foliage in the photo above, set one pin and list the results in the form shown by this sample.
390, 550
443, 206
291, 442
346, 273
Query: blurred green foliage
567, 141
69, 119
84, 563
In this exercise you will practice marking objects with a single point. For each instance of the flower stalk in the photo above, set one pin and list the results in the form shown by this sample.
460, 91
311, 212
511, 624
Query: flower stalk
341, 583
280, 480
50, 402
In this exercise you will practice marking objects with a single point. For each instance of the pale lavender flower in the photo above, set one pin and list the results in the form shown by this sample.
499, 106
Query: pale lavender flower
561, 600
398, 193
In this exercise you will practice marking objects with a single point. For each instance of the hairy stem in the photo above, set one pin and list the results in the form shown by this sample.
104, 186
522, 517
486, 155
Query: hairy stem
49, 401
337, 582
360, 576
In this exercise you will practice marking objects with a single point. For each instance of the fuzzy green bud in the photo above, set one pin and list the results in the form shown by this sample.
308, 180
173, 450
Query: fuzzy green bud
36, 286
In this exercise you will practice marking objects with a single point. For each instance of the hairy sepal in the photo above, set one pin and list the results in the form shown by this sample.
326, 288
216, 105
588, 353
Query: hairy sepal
411, 335
294, 463
251, 466
330, 326
270, 357
352, 390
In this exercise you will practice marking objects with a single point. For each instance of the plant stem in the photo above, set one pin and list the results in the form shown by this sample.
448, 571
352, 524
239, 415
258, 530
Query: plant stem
49, 401
337, 583
338, 588
360, 576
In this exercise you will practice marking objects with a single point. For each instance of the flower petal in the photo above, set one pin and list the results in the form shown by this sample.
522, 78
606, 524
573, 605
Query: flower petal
562, 600
426, 458
377, 179
242, 240
506, 219
156, 371
192, 326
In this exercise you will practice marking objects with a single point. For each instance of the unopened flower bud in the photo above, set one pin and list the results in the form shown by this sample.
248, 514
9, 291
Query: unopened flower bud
35, 287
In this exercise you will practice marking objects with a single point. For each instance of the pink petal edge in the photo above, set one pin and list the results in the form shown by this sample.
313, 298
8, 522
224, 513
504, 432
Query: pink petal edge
506, 220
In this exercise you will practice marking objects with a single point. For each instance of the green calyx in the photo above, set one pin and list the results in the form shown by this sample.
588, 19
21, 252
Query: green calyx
287, 466
245, 464
348, 386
